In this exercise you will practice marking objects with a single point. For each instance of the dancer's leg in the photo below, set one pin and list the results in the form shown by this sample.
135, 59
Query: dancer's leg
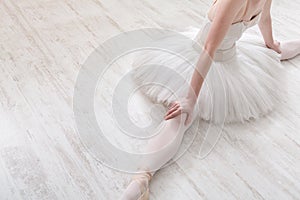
289, 49
167, 143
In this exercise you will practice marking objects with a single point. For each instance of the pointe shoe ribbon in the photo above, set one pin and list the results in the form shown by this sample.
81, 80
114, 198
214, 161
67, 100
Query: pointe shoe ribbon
143, 188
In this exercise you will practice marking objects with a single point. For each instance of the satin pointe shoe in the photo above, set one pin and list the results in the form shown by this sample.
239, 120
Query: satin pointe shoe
142, 180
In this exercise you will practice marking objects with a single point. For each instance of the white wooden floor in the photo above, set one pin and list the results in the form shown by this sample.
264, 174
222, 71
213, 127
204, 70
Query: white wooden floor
42, 46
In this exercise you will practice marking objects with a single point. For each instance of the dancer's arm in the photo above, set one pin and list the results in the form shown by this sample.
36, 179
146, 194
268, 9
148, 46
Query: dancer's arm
287, 49
224, 16
265, 26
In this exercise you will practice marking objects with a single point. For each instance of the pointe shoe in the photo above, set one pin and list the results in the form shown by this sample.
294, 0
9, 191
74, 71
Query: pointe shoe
142, 185
289, 49
144, 189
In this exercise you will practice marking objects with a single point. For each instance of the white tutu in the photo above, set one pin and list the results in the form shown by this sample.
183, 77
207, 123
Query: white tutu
243, 82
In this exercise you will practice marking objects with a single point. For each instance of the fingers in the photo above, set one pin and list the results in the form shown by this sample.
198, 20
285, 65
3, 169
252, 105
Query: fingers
173, 104
172, 109
173, 114
177, 112
268, 46
277, 45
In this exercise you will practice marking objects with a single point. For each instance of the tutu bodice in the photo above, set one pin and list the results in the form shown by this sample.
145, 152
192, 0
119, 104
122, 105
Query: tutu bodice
227, 48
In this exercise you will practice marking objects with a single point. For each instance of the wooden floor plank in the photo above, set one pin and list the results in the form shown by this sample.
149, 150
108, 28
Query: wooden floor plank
43, 44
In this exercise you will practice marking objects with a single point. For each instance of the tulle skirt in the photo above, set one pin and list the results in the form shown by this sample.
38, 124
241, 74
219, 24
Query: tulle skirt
245, 87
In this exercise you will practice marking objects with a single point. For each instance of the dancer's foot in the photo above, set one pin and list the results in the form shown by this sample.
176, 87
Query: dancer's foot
289, 49
138, 188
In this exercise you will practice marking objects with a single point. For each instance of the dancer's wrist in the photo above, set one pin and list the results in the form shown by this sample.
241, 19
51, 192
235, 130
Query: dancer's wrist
192, 99
269, 44
275, 45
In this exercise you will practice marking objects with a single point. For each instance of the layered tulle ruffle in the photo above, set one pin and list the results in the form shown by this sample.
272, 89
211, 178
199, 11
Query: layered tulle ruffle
244, 87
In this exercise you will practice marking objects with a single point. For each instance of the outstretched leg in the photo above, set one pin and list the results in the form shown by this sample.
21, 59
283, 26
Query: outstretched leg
289, 49
167, 142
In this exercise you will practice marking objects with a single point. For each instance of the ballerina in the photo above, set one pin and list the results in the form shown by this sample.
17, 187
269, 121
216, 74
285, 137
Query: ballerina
250, 70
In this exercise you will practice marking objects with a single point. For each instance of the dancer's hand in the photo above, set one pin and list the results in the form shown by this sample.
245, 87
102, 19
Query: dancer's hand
275, 46
185, 105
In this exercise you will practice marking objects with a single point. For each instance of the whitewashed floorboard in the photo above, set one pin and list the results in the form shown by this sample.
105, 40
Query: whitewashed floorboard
42, 47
